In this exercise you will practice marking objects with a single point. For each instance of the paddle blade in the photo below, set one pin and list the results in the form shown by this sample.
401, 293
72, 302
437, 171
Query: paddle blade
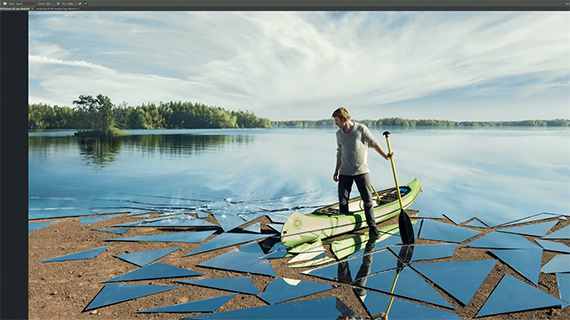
406, 228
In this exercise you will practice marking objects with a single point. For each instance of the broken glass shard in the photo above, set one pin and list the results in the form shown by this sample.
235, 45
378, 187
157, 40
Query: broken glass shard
377, 303
532, 218
275, 226
236, 284
563, 233
242, 259
89, 220
283, 289
181, 220
145, 257
115, 292
88, 254
461, 279
229, 222
563, 280
278, 217
537, 230
560, 263
33, 226
255, 228
553, 246
114, 230
432, 230
192, 236
501, 240
475, 223
524, 261
226, 240
323, 308
156, 270
429, 251
204, 305
513, 295
142, 216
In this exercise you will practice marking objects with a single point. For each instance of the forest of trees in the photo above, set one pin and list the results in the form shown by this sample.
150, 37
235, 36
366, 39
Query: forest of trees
99, 113
399, 122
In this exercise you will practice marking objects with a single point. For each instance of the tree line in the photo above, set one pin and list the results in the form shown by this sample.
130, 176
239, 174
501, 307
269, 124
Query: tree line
399, 122
99, 113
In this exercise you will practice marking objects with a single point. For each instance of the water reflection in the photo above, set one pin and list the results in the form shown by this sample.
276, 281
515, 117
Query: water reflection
99, 151
363, 272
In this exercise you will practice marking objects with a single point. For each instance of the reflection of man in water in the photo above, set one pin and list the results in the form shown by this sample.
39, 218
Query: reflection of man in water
362, 274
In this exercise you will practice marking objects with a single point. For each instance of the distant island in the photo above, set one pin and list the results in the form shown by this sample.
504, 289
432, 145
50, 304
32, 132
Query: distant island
399, 122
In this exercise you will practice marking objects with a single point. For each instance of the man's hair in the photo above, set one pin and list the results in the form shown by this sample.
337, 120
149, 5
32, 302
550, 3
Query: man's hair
341, 113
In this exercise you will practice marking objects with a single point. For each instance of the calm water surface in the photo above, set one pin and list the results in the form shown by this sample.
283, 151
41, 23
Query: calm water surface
497, 175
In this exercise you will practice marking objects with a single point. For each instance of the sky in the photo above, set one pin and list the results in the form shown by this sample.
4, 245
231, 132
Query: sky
459, 66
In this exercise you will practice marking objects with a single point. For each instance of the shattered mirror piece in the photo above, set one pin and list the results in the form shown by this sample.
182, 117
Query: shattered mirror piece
142, 216
33, 226
461, 279
513, 295
563, 280
560, 263
278, 217
524, 261
145, 257
532, 218
229, 222
537, 230
192, 236
354, 246
36, 214
236, 284
377, 303
242, 259
475, 223
204, 305
409, 285
83, 255
428, 215
323, 308
501, 240
563, 234
114, 230
314, 263
136, 212
429, 251
553, 246
202, 214
181, 220
284, 289
226, 240
278, 250
89, 220
255, 228
111, 210
156, 270
438, 231
275, 226
115, 292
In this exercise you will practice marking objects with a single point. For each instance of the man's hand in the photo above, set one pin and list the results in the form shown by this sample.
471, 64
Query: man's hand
335, 176
390, 156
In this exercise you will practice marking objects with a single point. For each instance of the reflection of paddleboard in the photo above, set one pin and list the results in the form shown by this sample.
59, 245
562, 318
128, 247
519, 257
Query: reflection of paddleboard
326, 222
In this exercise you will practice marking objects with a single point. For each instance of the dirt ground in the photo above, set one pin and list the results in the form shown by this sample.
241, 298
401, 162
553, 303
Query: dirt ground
62, 290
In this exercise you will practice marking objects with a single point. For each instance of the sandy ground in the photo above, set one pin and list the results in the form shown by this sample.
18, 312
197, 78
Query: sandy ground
62, 290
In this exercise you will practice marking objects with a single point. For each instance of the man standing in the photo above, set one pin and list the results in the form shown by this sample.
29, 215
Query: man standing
353, 140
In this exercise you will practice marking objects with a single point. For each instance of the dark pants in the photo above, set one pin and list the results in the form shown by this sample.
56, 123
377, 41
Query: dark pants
363, 184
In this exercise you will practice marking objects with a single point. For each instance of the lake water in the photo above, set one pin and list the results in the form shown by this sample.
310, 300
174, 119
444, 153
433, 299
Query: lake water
497, 175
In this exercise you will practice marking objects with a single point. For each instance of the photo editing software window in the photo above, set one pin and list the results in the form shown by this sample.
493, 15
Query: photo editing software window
218, 51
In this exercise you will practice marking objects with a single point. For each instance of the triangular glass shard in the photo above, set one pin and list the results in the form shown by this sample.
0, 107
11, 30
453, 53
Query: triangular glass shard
111, 210
181, 220
513, 295
409, 285
475, 223
255, 228
242, 259
430, 215
307, 246
283, 289
226, 240
115, 292
277, 251
355, 246
461, 279
308, 255
278, 217
501, 240
136, 212
229, 222
192, 236
563, 233
560, 263
236, 284
377, 303
142, 216
145, 257
204, 305
314, 263
88, 254
537, 230
553, 246
275, 226
202, 215
156, 270
524, 261
532, 218
429, 251
432, 230
563, 280
323, 308
33, 226
89, 220
114, 230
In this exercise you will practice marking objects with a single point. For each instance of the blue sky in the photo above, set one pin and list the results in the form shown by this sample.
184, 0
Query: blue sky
302, 65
